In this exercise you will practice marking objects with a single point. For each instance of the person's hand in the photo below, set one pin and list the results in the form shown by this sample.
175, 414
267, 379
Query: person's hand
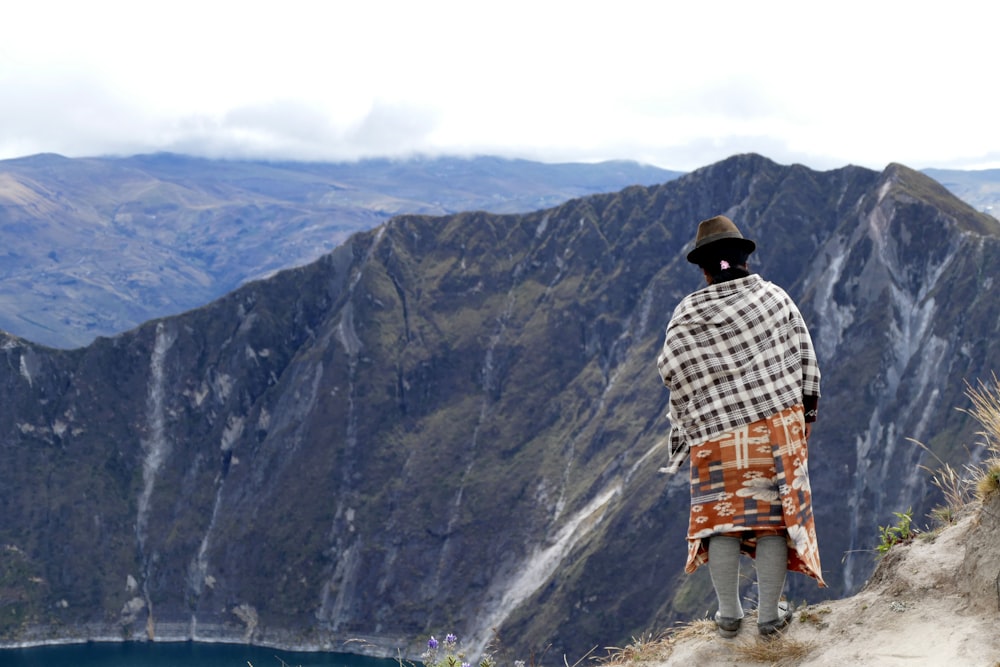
809, 428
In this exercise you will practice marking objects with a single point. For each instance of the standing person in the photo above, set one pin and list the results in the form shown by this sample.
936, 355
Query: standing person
744, 388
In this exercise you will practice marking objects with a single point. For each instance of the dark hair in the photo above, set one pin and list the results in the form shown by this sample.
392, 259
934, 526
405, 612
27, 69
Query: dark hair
724, 261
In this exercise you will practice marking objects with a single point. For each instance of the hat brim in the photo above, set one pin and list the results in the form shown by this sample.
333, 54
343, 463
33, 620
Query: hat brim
735, 238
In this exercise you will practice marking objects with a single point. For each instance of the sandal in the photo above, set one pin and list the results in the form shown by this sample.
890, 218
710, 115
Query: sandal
785, 613
728, 627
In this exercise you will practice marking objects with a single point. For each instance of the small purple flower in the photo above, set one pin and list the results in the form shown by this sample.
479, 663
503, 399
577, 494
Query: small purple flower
450, 639
432, 643
724, 265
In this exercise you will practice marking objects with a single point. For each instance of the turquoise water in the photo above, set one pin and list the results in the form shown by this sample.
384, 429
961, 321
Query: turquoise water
181, 654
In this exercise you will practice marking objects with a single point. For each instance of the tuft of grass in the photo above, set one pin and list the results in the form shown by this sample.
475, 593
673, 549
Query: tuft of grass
645, 648
655, 647
702, 628
776, 652
977, 481
986, 410
953, 486
944, 515
988, 480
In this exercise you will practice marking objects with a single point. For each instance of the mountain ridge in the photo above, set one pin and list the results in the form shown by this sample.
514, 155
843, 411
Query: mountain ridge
96, 246
455, 421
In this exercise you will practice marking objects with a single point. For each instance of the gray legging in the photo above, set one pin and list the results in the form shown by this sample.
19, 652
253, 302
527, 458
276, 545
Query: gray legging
724, 566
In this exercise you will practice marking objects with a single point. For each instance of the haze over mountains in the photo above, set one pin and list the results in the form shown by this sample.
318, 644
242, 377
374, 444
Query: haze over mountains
97, 246
453, 423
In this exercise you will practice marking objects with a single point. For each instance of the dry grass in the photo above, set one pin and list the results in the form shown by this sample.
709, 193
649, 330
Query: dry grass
643, 649
776, 652
988, 480
986, 410
656, 648
703, 628
955, 488
976, 481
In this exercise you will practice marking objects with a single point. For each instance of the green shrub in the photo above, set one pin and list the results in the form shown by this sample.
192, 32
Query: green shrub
901, 533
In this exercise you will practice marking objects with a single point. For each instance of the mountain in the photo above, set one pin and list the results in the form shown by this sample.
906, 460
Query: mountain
96, 246
454, 423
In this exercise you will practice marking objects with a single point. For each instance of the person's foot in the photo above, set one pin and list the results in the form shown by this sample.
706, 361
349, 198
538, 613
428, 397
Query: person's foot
785, 612
728, 627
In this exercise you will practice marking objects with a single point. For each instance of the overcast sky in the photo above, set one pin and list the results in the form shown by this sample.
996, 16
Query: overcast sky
676, 84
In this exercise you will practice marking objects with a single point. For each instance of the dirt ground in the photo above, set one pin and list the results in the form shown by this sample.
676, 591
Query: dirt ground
933, 601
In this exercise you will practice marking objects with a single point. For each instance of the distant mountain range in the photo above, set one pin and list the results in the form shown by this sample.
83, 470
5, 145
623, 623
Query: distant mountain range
978, 188
453, 423
96, 246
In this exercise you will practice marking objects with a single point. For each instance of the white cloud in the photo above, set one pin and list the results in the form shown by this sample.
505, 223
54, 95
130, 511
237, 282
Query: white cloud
677, 84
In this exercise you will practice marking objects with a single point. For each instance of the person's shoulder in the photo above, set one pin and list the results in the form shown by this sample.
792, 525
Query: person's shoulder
773, 288
686, 306
694, 297
683, 306
777, 295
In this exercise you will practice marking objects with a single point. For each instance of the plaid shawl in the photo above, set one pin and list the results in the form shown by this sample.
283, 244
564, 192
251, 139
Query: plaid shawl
735, 352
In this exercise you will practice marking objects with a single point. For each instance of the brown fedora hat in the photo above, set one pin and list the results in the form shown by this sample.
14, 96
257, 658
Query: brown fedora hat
719, 228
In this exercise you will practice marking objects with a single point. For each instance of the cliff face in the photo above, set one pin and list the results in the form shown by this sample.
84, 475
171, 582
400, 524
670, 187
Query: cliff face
454, 423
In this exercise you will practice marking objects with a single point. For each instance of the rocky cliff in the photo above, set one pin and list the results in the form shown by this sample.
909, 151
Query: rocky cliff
455, 423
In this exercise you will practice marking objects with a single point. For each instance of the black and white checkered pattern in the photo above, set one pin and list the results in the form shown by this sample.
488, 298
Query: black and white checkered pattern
734, 353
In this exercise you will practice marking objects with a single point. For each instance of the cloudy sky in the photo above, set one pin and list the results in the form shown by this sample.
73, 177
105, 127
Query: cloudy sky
675, 84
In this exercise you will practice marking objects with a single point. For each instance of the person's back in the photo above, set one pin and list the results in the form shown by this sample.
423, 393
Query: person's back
735, 352
743, 376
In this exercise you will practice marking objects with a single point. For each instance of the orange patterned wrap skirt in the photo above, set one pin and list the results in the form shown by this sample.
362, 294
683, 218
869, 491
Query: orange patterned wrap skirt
752, 482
